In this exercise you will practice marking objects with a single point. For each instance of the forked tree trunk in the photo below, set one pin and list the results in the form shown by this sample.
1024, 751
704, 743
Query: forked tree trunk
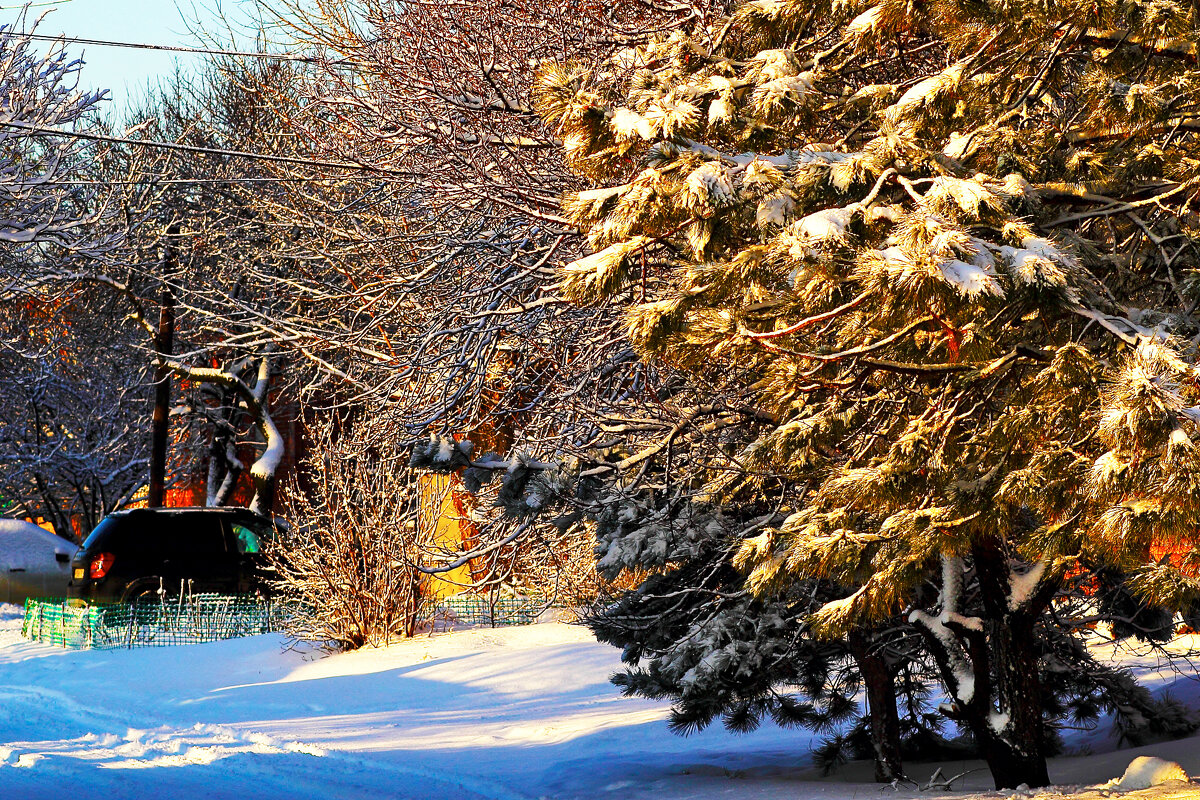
1014, 748
256, 401
224, 467
990, 666
881, 707
1011, 740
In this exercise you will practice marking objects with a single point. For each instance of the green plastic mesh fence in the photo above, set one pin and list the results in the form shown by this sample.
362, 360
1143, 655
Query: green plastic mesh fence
190, 619
482, 609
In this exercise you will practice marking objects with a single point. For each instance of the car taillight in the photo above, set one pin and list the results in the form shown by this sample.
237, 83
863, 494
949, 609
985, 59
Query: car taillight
100, 565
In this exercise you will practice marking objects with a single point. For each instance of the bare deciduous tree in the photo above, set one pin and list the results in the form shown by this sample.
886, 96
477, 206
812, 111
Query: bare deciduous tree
71, 404
349, 566
425, 279
58, 458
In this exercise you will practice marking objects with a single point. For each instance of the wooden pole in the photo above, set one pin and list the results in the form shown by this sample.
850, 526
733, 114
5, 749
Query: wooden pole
163, 345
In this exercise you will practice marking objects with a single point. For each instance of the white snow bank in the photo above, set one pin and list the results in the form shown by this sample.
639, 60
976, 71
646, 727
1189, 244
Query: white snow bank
509, 714
1147, 771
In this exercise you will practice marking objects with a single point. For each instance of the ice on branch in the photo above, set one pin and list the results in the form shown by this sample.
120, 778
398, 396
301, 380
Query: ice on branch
970, 279
761, 175
775, 64
1046, 249
837, 615
969, 196
888, 213
1038, 263
963, 690
1156, 356
959, 146
1139, 97
774, 210
873, 92
577, 143
721, 108
925, 92
1107, 470
590, 204
268, 463
1179, 440
895, 257
772, 95
975, 276
1021, 585
672, 115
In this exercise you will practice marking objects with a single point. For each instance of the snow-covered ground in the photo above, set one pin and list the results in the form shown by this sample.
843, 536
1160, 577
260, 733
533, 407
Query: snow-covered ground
511, 714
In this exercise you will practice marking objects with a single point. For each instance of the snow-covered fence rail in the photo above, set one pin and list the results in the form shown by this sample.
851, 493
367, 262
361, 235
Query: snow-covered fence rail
191, 619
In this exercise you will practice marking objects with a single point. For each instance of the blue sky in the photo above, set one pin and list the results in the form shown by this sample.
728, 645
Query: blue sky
123, 71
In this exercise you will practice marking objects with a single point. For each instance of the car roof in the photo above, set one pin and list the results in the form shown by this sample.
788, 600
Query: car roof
176, 511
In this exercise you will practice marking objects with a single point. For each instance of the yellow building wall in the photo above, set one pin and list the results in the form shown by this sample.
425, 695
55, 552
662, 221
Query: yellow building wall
442, 510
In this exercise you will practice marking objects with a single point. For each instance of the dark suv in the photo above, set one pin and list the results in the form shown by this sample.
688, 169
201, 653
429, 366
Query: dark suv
133, 554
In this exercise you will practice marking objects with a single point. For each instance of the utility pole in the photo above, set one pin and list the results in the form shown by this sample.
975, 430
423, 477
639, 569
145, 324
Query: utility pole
164, 338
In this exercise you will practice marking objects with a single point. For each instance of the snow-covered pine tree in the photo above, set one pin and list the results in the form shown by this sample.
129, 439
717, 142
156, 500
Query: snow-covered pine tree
949, 249
693, 633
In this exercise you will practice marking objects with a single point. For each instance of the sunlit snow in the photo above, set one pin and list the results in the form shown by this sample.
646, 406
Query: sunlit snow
512, 714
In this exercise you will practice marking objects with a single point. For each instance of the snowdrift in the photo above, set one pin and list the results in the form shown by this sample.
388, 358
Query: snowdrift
510, 714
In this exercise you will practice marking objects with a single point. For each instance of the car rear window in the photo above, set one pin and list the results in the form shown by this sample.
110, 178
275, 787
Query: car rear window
126, 533
101, 531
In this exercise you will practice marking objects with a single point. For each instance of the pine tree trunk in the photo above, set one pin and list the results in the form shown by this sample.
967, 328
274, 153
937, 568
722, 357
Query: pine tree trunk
881, 708
1015, 748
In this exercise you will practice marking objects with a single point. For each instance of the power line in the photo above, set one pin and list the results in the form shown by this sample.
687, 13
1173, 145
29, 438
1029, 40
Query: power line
190, 181
190, 148
173, 48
